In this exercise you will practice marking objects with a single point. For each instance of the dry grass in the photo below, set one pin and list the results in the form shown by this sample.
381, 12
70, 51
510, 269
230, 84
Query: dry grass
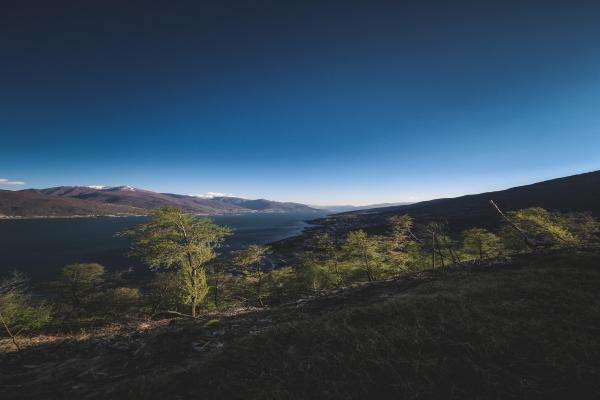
84, 335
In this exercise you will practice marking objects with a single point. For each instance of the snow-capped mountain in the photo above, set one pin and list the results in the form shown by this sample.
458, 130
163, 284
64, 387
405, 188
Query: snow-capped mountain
141, 199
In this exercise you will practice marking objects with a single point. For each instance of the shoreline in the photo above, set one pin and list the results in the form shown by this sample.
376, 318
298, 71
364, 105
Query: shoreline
28, 217
21, 217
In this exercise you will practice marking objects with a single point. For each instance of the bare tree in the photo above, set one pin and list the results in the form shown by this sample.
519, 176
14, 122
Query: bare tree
513, 225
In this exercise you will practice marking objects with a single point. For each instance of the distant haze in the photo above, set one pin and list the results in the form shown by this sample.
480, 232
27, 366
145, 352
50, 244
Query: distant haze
343, 208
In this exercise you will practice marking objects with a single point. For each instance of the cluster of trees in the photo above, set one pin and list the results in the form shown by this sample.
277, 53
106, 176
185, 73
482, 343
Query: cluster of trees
189, 275
83, 295
18, 311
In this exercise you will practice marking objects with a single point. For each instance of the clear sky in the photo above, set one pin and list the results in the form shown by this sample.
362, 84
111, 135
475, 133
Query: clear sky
322, 102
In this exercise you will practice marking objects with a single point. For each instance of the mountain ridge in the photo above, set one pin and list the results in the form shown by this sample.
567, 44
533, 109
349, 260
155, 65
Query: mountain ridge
19, 204
126, 200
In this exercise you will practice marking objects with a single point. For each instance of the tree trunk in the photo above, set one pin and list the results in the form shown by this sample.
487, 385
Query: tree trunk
433, 250
337, 270
258, 290
456, 256
455, 259
515, 227
367, 267
441, 257
194, 292
216, 298
194, 305
194, 272
14, 340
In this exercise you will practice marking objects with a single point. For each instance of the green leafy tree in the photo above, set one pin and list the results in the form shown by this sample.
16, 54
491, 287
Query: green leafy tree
326, 251
447, 246
216, 269
165, 291
434, 234
249, 261
283, 283
80, 283
481, 243
511, 239
418, 257
175, 239
365, 250
395, 246
440, 243
121, 301
312, 274
18, 312
553, 228
583, 226
401, 230
544, 226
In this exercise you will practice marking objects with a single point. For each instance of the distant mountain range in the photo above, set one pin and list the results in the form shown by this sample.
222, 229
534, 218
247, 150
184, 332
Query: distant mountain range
65, 201
345, 208
34, 204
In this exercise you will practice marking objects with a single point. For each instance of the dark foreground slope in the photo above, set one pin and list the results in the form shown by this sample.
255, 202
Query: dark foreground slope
527, 329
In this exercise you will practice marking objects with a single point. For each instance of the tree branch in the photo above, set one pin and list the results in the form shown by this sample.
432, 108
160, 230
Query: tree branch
523, 235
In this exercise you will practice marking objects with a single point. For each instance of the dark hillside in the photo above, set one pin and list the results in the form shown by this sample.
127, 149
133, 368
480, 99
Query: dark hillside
572, 193
527, 329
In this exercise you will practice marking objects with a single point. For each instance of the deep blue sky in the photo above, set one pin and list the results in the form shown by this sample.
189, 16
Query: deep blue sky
319, 102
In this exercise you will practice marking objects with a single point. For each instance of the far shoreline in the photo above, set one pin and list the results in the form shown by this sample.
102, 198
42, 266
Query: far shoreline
37, 217
20, 217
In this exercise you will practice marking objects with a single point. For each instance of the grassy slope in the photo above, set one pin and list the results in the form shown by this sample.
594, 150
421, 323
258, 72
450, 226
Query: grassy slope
527, 329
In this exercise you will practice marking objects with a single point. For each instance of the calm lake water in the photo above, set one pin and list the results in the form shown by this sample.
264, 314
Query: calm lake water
41, 247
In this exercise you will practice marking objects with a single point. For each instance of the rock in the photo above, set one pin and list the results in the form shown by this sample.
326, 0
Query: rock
254, 330
143, 325
204, 346
200, 347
